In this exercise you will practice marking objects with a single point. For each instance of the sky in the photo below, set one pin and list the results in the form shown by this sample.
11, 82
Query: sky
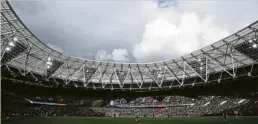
133, 30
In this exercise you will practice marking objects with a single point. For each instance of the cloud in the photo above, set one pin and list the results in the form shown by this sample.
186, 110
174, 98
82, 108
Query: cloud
118, 55
81, 27
147, 32
102, 55
166, 39
188, 26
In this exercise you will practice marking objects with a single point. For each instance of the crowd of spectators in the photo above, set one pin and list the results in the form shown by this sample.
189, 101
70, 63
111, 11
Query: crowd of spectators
47, 110
175, 106
17, 105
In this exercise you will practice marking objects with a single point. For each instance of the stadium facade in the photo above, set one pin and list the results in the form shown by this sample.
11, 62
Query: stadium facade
23, 55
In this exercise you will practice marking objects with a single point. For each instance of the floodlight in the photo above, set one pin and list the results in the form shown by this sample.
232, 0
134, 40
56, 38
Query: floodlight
248, 49
249, 74
54, 64
49, 63
48, 66
250, 41
48, 58
159, 75
16, 49
7, 48
219, 80
11, 44
15, 39
199, 66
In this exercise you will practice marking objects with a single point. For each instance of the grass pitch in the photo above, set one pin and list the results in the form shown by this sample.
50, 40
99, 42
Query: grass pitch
120, 120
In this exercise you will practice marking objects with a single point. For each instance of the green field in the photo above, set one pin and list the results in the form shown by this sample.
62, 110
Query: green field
173, 120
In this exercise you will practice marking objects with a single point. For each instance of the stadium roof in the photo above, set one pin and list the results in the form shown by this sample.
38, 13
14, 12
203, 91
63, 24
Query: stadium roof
21, 49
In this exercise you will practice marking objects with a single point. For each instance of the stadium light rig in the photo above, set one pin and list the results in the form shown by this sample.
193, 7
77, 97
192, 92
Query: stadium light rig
11, 44
49, 63
7, 48
52, 66
249, 74
249, 48
219, 80
13, 49
157, 74
199, 65
121, 75
15, 39
89, 72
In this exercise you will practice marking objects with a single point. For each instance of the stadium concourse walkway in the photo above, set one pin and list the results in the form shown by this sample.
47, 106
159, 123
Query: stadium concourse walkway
122, 120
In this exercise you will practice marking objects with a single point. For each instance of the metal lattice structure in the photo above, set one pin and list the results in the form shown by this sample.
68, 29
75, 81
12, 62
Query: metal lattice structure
216, 62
